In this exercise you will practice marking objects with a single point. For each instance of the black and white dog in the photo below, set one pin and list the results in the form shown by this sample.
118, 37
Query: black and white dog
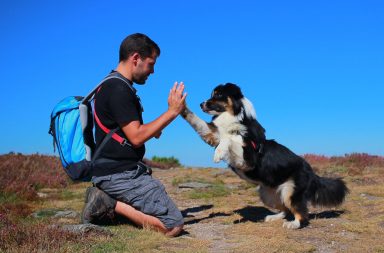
286, 181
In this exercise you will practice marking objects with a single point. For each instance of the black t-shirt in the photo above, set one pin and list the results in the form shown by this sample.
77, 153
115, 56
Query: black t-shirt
115, 104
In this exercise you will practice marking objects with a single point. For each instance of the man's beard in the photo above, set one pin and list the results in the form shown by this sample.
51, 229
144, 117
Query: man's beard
140, 79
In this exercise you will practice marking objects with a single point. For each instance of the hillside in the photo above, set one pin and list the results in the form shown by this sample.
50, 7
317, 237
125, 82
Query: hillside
222, 213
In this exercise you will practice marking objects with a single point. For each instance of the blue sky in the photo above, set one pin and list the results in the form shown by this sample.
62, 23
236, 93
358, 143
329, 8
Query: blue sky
314, 70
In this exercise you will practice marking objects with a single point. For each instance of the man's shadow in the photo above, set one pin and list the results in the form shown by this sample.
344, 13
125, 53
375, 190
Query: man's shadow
189, 218
258, 214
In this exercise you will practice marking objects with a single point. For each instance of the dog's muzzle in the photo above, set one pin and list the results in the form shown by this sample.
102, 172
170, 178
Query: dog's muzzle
204, 106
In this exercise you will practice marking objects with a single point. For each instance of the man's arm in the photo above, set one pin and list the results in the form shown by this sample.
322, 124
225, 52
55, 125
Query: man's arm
138, 133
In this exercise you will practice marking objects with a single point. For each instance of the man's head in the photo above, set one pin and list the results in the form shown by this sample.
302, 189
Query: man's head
142, 52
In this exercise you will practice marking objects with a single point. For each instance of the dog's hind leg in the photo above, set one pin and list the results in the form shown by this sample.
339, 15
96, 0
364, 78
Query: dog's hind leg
271, 197
301, 217
297, 204
294, 200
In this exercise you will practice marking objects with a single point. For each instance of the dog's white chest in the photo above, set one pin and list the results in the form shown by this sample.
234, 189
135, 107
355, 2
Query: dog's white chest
230, 148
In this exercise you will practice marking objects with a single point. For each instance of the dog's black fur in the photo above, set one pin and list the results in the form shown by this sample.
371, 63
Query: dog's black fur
287, 182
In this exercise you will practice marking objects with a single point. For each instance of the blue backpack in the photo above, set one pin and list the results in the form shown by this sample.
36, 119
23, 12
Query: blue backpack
72, 128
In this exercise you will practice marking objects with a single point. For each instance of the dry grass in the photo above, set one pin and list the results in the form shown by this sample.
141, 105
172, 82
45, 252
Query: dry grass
230, 222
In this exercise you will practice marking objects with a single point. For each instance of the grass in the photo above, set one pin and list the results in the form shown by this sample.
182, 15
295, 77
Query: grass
215, 191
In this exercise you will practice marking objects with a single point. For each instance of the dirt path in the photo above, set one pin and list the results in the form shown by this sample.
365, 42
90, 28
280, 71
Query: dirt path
234, 223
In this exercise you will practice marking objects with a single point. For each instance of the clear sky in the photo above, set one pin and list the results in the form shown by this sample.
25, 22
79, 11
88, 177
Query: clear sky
314, 70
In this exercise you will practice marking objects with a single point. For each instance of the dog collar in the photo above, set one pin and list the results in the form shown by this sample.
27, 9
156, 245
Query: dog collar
260, 149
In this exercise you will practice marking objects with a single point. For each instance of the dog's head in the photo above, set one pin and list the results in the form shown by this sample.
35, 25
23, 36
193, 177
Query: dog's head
228, 98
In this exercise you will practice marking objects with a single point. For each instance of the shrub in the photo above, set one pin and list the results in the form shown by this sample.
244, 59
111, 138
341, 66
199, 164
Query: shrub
163, 162
16, 236
316, 159
360, 160
353, 164
24, 175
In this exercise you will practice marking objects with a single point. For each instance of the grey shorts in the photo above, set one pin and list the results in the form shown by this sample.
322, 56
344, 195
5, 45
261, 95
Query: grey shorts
144, 193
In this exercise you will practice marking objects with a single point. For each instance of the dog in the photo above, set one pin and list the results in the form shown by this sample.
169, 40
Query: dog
286, 181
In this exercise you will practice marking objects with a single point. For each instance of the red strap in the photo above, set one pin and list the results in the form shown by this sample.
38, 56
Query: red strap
115, 136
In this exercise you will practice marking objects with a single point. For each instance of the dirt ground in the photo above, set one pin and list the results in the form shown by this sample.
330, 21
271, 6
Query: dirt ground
229, 217
234, 223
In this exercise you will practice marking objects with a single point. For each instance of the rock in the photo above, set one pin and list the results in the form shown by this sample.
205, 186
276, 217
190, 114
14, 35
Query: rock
194, 185
84, 229
232, 186
44, 213
42, 195
66, 214
368, 196
49, 212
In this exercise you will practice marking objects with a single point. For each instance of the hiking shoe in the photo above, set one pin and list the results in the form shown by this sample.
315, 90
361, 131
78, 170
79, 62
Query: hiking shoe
98, 206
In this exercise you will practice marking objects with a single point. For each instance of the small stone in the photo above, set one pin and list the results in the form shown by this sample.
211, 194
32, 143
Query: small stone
84, 229
42, 195
194, 185
66, 214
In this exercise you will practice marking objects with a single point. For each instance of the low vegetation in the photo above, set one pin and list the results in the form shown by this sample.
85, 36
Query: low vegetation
226, 216
163, 162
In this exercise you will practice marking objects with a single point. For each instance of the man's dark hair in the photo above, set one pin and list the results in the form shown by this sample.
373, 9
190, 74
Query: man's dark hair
137, 43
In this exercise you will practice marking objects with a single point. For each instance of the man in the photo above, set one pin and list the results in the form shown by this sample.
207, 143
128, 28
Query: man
131, 190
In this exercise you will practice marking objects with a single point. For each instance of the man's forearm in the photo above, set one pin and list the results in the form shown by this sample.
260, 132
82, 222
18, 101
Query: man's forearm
138, 134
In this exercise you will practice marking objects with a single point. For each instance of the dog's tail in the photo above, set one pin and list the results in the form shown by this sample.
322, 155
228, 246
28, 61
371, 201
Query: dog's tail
327, 192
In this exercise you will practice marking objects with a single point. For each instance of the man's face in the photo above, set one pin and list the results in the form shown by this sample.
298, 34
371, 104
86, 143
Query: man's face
144, 68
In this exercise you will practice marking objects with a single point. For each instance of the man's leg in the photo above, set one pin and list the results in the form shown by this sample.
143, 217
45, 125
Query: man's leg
99, 205
145, 220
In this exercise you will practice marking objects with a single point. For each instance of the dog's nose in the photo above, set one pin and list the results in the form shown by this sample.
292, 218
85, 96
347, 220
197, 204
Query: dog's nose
202, 105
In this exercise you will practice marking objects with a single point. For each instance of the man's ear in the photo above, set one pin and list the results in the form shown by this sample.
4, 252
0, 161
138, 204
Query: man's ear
135, 57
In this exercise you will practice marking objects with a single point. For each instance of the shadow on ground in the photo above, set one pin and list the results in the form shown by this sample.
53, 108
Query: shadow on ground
258, 214
190, 219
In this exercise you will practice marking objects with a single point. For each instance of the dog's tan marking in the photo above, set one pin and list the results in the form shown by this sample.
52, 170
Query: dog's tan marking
298, 222
229, 106
299, 217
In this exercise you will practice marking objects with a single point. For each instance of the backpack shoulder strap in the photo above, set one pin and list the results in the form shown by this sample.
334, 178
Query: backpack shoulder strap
110, 133
110, 76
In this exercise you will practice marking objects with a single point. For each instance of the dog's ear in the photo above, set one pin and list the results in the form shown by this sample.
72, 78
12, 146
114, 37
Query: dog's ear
234, 91
237, 106
256, 131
